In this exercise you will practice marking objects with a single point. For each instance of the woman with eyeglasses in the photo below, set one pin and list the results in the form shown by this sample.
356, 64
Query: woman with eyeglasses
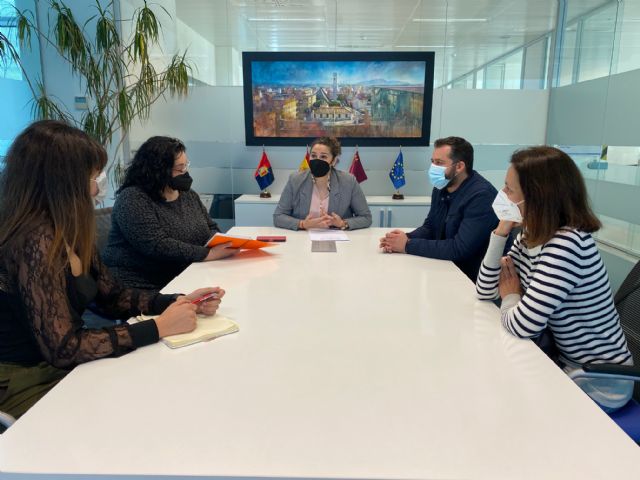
322, 197
159, 225
50, 271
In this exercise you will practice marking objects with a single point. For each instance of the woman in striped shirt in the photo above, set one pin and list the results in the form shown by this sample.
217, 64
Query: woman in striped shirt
553, 276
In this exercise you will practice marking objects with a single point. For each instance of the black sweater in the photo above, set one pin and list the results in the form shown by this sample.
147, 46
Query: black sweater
151, 242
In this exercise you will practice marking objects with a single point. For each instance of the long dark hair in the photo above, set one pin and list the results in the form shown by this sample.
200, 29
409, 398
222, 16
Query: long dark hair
554, 192
151, 166
46, 181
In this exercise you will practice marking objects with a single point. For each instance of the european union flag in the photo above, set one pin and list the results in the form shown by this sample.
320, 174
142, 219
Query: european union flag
397, 172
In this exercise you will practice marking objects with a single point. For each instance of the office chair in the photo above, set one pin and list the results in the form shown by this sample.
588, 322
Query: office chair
6, 421
627, 302
103, 225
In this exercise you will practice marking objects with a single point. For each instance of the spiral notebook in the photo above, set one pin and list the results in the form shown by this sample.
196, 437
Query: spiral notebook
206, 329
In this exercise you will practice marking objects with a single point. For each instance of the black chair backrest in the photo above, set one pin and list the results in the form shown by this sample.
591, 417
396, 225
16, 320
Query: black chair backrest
627, 302
103, 225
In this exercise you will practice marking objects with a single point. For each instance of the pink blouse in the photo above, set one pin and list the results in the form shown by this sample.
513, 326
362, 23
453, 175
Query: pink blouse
318, 204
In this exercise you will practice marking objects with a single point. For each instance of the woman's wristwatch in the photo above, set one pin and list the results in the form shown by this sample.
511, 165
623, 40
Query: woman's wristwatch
345, 225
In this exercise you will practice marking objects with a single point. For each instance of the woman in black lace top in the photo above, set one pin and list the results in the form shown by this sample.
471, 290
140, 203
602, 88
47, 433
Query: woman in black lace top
159, 226
50, 272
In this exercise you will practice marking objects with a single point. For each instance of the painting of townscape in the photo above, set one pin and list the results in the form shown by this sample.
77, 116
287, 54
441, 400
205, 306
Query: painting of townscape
356, 99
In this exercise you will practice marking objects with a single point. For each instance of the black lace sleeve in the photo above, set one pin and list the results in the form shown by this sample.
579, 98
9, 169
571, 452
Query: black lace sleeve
119, 302
59, 333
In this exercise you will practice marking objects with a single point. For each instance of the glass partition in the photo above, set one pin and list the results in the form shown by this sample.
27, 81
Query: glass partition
591, 113
15, 91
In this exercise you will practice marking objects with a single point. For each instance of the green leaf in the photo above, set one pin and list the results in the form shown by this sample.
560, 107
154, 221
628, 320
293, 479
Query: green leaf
46, 108
68, 36
177, 76
24, 30
147, 23
89, 123
140, 48
119, 80
106, 34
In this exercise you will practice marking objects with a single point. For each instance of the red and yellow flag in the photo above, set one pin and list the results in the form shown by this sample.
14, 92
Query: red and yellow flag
304, 164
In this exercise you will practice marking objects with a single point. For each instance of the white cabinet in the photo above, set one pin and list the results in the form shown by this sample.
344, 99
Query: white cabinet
253, 211
407, 213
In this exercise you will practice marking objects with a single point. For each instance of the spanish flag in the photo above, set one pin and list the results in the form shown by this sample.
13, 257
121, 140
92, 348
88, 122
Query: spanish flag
304, 164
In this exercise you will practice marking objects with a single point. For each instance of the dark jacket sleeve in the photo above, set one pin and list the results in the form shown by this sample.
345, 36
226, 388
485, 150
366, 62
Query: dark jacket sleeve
425, 231
134, 213
478, 220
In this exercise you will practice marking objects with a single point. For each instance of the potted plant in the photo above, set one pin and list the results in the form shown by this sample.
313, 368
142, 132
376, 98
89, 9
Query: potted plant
119, 80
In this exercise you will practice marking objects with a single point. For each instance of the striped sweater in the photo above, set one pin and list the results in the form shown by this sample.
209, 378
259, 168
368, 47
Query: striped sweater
566, 287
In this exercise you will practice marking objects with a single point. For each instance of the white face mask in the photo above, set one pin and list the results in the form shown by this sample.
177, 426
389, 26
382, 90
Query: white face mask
505, 209
102, 184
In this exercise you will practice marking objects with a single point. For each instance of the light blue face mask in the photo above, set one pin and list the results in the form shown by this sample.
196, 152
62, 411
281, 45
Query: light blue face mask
437, 176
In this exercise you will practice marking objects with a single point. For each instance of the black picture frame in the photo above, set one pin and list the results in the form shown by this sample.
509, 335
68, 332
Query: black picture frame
274, 139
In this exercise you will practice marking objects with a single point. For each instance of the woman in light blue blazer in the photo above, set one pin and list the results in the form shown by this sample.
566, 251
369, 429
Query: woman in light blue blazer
322, 197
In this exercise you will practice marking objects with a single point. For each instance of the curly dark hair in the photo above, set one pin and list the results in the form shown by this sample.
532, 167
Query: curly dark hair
332, 142
151, 166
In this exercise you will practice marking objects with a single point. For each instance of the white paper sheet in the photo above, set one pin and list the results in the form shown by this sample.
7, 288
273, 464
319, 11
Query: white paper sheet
334, 235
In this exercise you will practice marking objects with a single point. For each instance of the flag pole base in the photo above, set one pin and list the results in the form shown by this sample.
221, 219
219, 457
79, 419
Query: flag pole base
397, 196
265, 194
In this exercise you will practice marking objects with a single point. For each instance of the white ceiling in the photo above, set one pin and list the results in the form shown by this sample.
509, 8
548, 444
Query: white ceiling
475, 31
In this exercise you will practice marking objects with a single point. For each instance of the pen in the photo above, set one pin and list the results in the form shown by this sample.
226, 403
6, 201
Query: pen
205, 297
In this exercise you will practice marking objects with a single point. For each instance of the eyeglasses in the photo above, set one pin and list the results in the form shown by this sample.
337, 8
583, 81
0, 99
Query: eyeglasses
182, 168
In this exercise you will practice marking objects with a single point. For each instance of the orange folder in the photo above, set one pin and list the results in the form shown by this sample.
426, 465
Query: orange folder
238, 242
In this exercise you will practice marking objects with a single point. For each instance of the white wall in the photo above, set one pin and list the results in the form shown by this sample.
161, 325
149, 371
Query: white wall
211, 122
596, 112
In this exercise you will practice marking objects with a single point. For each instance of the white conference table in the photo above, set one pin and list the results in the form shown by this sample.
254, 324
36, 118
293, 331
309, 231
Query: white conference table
348, 365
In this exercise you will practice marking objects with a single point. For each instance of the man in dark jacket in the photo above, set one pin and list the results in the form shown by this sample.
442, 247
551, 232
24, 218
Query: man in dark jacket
461, 218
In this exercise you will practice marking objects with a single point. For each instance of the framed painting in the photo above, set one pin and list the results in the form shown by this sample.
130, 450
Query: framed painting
363, 98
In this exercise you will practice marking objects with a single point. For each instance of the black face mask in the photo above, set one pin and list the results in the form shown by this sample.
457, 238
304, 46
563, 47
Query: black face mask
181, 182
319, 168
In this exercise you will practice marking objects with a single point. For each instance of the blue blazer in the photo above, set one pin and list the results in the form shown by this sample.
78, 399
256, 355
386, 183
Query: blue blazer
458, 225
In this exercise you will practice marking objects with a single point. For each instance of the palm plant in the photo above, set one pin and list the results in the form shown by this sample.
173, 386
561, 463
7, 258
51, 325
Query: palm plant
120, 81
